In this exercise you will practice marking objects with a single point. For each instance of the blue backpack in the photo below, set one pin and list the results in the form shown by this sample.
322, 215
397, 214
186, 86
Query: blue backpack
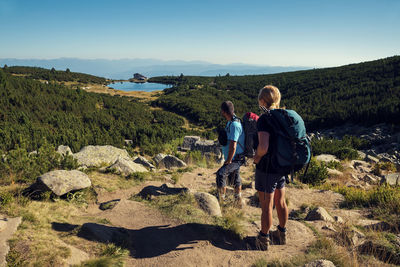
291, 150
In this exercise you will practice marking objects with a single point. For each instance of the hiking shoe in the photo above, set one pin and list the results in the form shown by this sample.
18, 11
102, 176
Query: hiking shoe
278, 237
262, 242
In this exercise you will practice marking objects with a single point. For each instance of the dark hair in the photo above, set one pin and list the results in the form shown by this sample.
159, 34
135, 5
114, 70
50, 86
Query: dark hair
228, 108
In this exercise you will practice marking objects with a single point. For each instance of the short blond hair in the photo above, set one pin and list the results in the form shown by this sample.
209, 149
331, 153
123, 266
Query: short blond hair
271, 96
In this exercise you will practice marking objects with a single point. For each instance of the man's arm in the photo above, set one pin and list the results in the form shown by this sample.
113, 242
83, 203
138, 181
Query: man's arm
231, 153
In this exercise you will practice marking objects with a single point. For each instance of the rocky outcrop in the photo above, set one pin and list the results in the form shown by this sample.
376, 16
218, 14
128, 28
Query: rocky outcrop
61, 182
96, 156
125, 166
320, 263
208, 203
189, 141
143, 161
8, 226
319, 214
168, 162
195, 143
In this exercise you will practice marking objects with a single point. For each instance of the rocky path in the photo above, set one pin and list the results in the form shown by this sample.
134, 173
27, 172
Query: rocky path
154, 239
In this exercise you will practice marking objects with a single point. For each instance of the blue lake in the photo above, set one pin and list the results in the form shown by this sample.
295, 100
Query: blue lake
146, 87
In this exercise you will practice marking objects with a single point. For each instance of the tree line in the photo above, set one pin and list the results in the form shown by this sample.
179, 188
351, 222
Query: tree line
364, 93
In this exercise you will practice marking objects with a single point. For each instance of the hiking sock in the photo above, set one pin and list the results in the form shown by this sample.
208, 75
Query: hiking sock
263, 235
283, 230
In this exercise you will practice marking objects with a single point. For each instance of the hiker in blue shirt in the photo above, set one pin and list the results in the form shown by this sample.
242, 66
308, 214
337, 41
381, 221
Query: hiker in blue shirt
233, 154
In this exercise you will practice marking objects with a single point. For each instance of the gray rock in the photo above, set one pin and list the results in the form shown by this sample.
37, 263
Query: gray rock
169, 162
391, 179
143, 161
207, 146
189, 141
208, 203
96, 156
369, 178
157, 159
126, 167
8, 230
319, 214
64, 150
354, 237
320, 263
61, 182
360, 163
372, 159
326, 158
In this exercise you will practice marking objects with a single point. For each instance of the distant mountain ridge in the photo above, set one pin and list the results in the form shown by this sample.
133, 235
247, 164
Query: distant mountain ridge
124, 68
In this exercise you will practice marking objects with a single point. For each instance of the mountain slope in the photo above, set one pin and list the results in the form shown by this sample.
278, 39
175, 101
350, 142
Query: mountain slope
363, 93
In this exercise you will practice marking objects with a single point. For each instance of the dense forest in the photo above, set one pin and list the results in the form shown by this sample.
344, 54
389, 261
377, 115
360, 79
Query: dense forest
53, 75
364, 93
35, 113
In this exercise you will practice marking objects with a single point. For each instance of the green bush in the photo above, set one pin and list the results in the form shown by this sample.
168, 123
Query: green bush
316, 174
24, 166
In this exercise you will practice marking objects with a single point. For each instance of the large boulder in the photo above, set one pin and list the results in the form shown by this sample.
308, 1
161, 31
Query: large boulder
143, 161
319, 214
126, 166
189, 141
391, 179
207, 146
168, 162
96, 156
61, 182
208, 203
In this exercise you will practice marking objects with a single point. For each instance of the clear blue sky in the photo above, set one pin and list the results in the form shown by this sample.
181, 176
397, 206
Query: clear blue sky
286, 33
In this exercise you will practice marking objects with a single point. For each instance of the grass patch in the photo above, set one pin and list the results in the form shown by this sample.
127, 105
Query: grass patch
111, 255
322, 248
383, 201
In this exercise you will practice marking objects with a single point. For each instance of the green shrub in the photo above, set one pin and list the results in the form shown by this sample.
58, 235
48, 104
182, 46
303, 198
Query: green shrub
139, 176
316, 174
343, 149
383, 166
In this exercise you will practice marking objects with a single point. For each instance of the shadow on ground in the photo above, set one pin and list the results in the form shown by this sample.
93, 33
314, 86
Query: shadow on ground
158, 240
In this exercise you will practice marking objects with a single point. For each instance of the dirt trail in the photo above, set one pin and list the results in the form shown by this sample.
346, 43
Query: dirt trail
156, 240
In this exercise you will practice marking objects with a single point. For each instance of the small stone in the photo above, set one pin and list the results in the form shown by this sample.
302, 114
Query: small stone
372, 159
319, 214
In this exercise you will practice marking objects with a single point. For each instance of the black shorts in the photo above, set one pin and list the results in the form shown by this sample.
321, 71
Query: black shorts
269, 182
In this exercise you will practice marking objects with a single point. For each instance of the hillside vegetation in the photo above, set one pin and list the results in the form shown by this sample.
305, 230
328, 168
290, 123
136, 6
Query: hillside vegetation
53, 75
35, 111
365, 93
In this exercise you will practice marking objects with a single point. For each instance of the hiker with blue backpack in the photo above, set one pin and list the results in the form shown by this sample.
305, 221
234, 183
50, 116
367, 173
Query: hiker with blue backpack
232, 141
283, 148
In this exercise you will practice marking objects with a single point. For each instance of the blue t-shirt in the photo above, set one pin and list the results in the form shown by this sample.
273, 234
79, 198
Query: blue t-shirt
235, 133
